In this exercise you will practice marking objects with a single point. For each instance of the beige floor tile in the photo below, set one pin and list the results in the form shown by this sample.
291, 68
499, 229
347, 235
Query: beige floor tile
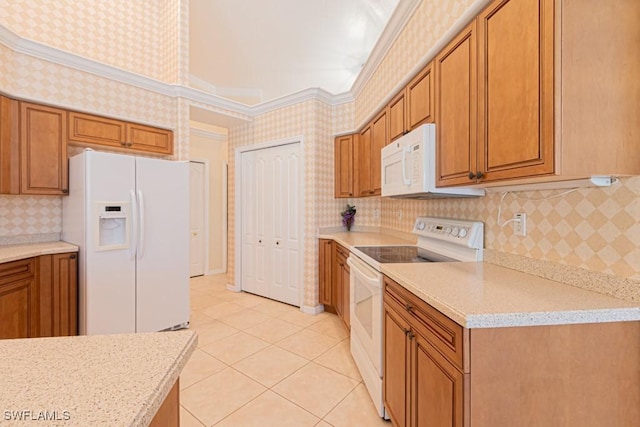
212, 332
246, 299
244, 319
224, 308
332, 326
356, 410
202, 301
315, 388
323, 424
308, 344
235, 348
274, 308
271, 365
269, 410
199, 320
200, 366
200, 284
302, 319
213, 398
340, 360
188, 420
273, 330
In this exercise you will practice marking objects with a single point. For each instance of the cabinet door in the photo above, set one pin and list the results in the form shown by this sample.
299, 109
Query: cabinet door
65, 294
362, 158
339, 286
346, 300
86, 129
396, 112
420, 99
325, 268
396, 359
379, 139
149, 139
456, 110
19, 303
9, 147
515, 89
343, 166
43, 150
436, 387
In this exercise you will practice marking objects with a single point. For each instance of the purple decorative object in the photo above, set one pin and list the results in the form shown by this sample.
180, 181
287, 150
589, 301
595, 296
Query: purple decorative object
348, 216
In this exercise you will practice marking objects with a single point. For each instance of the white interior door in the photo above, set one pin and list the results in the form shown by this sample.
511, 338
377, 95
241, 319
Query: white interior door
197, 198
271, 245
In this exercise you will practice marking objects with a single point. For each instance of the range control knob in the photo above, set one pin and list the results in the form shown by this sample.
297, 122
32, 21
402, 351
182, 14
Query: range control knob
448, 230
454, 232
421, 225
463, 232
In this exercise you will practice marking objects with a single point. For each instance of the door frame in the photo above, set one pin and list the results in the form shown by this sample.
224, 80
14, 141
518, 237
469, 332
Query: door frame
238, 209
206, 210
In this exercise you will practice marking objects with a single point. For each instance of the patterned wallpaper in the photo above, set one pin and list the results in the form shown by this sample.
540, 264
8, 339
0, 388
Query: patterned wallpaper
137, 36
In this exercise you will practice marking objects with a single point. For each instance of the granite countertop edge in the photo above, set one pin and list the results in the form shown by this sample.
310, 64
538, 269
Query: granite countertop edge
157, 397
10, 253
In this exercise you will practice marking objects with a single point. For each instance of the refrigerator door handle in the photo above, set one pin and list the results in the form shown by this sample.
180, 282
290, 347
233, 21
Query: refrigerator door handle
141, 225
133, 230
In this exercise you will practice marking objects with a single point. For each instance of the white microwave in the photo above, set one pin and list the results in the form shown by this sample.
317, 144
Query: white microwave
409, 168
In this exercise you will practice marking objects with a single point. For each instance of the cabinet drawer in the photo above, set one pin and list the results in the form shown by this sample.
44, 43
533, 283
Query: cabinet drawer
341, 251
16, 270
443, 333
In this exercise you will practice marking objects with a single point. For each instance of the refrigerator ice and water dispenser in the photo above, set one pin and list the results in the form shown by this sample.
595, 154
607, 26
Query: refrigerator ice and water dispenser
113, 225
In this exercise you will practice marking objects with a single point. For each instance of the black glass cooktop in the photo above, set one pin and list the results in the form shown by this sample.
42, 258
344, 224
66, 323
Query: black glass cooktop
401, 254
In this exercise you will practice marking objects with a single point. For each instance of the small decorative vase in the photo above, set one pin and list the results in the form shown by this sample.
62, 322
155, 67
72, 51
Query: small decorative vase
349, 224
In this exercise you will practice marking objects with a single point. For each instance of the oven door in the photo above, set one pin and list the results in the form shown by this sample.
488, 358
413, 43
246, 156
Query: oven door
366, 309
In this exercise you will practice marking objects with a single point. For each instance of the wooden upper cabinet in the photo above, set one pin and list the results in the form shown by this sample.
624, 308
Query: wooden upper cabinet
9, 146
97, 131
149, 139
420, 99
515, 89
456, 98
379, 139
362, 160
396, 111
89, 129
43, 150
343, 166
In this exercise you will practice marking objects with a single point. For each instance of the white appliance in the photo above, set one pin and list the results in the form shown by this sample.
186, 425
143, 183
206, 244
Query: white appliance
439, 240
409, 168
130, 218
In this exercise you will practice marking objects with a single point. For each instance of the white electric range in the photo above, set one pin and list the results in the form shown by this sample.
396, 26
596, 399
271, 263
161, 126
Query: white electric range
439, 240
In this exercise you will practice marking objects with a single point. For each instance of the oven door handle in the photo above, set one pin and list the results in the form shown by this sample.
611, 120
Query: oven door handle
371, 276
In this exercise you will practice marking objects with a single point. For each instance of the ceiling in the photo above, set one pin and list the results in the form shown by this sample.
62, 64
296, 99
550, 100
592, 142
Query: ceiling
254, 51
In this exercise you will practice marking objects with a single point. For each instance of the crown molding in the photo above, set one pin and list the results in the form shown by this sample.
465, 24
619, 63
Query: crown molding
394, 27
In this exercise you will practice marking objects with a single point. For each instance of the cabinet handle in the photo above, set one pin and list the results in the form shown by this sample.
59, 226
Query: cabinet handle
65, 191
129, 144
472, 175
351, 194
260, 241
408, 307
124, 144
410, 335
479, 175
277, 242
72, 257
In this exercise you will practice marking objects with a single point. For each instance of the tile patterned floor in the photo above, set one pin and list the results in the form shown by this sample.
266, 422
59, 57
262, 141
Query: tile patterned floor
263, 363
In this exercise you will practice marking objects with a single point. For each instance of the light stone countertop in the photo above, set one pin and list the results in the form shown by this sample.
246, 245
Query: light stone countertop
16, 252
100, 380
483, 295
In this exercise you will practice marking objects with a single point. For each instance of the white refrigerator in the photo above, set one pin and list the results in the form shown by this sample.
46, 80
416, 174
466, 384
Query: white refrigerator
130, 218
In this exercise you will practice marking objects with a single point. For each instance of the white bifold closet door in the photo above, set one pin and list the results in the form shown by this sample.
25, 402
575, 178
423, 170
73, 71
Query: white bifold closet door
271, 217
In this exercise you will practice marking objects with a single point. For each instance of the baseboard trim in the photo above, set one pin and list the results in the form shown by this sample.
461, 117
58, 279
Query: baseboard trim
312, 310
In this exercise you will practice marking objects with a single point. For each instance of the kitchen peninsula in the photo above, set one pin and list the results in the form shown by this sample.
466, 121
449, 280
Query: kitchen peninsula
124, 379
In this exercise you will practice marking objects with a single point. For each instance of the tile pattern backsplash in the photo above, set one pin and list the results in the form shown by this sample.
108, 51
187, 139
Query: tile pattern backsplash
22, 215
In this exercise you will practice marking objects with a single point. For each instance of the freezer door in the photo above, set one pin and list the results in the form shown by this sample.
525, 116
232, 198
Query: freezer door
162, 276
107, 285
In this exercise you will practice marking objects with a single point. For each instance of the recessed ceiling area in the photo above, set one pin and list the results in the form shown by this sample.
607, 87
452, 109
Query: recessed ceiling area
253, 51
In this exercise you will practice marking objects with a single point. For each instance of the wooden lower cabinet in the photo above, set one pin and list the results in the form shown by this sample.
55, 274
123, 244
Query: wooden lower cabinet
168, 414
333, 279
553, 375
58, 280
39, 297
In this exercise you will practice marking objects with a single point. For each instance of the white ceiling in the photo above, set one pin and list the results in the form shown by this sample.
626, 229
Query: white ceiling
254, 51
